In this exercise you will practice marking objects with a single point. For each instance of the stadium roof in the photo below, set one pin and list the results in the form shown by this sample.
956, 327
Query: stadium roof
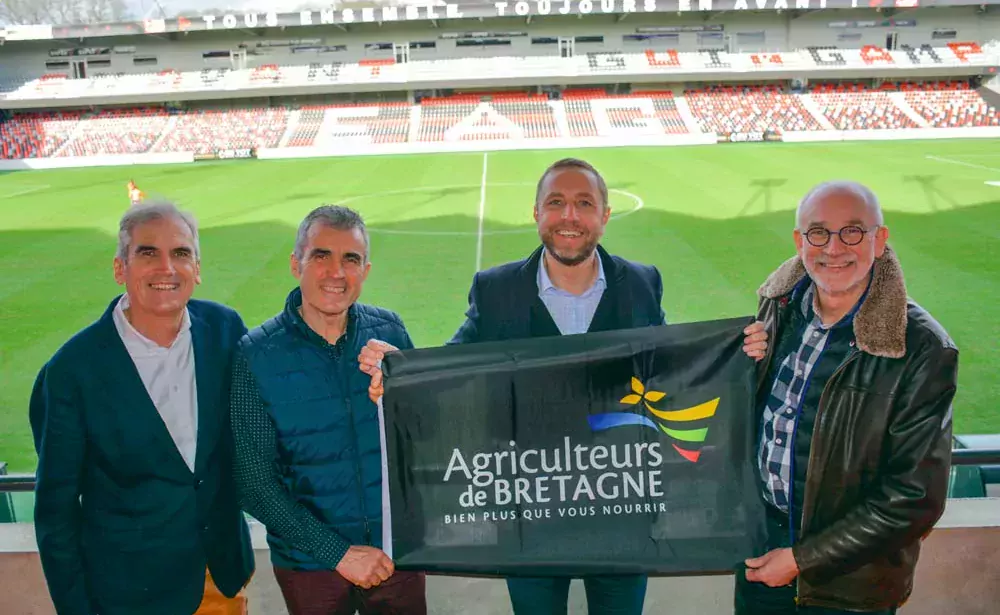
177, 16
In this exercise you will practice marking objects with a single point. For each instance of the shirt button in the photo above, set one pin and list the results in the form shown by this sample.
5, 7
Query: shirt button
777, 441
789, 411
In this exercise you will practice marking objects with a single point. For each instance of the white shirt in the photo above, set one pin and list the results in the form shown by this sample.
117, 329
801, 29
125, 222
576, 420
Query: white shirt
169, 377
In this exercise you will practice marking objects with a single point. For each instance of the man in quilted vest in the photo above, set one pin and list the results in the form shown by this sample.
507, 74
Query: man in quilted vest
308, 447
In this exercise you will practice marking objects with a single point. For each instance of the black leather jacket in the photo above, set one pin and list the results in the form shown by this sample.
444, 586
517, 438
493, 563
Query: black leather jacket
880, 453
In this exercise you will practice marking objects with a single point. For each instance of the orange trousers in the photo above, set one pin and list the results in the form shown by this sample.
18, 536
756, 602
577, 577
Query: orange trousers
214, 602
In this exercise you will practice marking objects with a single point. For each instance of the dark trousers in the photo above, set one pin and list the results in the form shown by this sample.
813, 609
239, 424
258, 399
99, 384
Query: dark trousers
606, 595
759, 599
325, 592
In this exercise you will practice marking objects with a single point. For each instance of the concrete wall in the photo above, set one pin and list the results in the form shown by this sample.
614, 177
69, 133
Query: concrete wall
813, 29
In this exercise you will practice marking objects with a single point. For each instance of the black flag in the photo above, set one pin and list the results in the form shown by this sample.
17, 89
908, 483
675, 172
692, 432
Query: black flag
604, 453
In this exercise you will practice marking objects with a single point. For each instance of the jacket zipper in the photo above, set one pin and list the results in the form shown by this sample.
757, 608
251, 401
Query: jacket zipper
819, 410
812, 448
791, 450
795, 428
357, 455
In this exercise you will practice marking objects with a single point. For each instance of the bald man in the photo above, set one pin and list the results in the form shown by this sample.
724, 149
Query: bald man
854, 418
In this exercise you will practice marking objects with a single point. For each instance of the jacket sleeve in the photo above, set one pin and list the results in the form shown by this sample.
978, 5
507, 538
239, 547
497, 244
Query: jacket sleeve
910, 495
261, 491
239, 326
471, 330
60, 441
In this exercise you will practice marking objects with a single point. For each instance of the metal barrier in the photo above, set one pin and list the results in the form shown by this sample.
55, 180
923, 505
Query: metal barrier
16, 482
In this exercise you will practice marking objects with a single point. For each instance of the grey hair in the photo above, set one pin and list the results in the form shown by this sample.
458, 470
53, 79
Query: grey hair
864, 193
137, 215
332, 216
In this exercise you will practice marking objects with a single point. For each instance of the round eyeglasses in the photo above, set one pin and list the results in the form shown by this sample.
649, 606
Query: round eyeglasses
849, 235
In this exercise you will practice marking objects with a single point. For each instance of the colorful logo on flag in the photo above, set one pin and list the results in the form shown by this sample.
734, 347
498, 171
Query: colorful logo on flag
689, 438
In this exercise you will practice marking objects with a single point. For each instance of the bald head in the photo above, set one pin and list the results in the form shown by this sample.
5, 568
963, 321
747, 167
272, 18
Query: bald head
842, 192
840, 264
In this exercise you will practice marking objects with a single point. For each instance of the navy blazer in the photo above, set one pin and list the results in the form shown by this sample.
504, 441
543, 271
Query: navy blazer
123, 525
504, 302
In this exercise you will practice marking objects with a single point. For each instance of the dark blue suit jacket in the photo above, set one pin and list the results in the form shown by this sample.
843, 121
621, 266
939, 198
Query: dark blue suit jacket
504, 302
123, 525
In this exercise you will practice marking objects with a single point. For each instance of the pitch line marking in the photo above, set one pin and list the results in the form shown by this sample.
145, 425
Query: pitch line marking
482, 215
964, 164
25, 191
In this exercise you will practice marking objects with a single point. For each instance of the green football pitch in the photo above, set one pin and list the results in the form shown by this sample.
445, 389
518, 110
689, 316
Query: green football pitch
714, 219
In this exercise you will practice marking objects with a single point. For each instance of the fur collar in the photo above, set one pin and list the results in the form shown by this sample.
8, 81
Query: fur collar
880, 324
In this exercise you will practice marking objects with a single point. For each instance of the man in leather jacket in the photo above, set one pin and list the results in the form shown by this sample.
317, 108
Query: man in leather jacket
854, 409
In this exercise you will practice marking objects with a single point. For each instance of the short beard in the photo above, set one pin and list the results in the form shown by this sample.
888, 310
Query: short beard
569, 261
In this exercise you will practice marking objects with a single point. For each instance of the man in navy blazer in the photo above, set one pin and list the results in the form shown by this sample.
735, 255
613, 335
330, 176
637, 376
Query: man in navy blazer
569, 285
135, 509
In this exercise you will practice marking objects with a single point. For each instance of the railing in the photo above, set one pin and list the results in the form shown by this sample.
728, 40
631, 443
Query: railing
972, 457
17, 483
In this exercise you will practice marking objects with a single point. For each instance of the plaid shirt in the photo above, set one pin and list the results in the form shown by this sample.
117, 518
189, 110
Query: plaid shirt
785, 403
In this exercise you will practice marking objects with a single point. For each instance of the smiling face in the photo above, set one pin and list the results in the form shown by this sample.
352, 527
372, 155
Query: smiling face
838, 268
160, 269
571, 214
332, 270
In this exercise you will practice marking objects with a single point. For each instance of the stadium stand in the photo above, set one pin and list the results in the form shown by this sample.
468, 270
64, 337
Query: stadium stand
440, 114
207, 131
132, 131
950, 104
748, 108
578, 111
36, 135
531, 112
275, 74
666, 111
382, 123
651, 112
857, 107
498, 116
676, 80
310, 120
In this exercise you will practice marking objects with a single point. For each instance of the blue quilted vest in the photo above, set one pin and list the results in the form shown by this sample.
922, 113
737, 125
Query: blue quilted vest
329, 452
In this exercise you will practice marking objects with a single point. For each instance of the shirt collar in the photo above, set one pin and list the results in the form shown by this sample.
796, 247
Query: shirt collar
807, 290
293, 306
545, 282
131, 336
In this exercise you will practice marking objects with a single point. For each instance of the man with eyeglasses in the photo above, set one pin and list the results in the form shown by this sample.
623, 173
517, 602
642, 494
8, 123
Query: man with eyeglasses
854, 404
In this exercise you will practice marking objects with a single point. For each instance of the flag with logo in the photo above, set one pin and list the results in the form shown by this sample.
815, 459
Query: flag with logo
604, 453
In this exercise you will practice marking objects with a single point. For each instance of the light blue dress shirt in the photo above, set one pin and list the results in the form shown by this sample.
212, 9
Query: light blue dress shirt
571, 313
